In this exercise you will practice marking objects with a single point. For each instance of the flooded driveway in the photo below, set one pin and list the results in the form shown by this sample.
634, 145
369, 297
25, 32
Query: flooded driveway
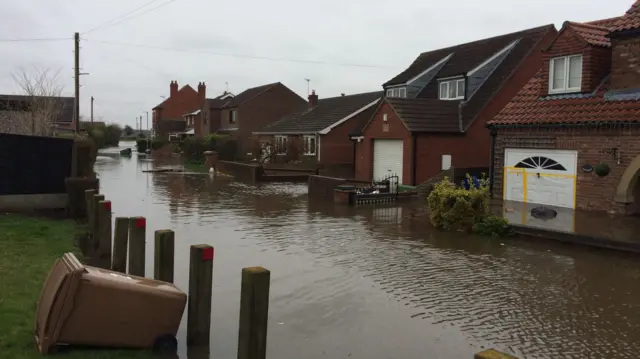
376, 282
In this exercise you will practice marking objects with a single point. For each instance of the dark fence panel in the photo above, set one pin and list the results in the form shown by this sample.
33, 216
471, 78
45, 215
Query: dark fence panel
33, 164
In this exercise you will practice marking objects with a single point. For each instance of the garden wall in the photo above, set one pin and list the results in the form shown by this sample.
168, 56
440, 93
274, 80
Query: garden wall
244, 172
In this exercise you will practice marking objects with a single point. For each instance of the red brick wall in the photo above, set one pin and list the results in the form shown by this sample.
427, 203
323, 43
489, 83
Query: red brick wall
593, 192
568, 43
183, 101
625, 67
336, 147
266, 108
596, 64
374, 130
469, 150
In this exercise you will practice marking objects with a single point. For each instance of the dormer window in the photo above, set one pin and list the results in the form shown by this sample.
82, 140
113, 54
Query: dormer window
565, 74
452, 89
397, 92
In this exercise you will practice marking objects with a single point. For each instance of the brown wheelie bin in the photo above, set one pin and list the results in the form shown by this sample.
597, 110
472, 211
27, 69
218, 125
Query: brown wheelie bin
88, 306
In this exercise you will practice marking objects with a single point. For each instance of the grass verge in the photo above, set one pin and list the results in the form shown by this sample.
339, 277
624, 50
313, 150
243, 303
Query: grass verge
29, 247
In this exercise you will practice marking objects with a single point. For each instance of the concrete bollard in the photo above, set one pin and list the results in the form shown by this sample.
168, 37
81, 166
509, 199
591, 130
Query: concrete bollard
200, 285
120, 243
493, 354
137, 245
254, 313
164, 255
103, 234
92, 230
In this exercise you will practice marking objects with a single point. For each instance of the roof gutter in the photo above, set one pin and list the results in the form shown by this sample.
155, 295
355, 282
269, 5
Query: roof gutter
284, 133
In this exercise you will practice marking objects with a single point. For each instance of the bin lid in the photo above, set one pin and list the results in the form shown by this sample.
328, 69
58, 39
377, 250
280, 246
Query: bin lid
56, 300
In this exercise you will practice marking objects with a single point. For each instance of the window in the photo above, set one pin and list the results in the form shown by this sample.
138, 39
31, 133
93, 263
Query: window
538, 162
232, 117
309, 145
452, 90
565, 74
281, 145
397, 92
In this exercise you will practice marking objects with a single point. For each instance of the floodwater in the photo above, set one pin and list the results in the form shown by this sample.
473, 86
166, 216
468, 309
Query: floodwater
376, 282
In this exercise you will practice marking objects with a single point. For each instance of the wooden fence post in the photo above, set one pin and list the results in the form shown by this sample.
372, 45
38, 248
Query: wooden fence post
88, 199
200, 285
120, 243
137, 245
164, 255
103, 234
493, 354
254, 313
94, 226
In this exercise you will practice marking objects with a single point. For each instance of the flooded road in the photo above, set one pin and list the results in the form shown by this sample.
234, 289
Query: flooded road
376, 283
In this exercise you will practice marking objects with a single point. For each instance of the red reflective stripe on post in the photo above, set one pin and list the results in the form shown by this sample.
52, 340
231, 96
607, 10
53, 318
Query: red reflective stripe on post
107, 205
141, 222
207, 254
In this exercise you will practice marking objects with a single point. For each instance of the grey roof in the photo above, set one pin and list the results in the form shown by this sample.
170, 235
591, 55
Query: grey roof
21, 103
249, 94
219, 101
427, 115
327, 112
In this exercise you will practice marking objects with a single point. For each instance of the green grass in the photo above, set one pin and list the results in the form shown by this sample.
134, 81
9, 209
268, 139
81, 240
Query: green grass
196, 167
28, 248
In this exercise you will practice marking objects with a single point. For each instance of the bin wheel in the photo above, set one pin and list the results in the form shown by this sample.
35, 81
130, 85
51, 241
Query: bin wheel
166, 345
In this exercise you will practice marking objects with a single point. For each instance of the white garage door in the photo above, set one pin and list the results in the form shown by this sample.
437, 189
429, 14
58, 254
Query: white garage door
387, 159
540, 176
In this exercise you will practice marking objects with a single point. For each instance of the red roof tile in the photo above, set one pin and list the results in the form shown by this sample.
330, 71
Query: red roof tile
527, 107
608, 23
630, 20
593, 34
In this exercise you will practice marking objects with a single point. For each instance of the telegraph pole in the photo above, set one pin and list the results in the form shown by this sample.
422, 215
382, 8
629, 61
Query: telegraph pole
91, 110
77, 79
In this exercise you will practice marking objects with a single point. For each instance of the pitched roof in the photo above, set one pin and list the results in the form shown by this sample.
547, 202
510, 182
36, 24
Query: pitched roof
219, 101
595, 35
528, 108
249, 94
185, 88
427, 115
327, 112
465, 56
66, 103
630, 20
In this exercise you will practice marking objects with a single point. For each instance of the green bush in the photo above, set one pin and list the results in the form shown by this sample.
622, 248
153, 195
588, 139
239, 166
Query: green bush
193, 148
105, 136
494, 226
456, 208
158, 143
141, 145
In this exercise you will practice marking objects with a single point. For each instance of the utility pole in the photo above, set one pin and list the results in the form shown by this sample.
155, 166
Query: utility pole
76, 38
91, 110
148, 134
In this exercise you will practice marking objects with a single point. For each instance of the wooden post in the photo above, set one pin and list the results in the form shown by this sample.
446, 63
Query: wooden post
137, 245
103, 234
88, 199
92, 230
493, 354
120, 242
254, 313
200, 284
164, 255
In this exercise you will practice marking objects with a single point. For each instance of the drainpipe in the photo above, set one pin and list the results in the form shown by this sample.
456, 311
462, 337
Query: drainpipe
492, 156
414, 161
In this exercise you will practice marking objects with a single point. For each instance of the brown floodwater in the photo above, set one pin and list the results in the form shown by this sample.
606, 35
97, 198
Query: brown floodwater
376, 282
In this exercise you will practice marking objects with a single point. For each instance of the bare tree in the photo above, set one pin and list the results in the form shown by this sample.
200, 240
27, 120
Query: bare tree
39, 105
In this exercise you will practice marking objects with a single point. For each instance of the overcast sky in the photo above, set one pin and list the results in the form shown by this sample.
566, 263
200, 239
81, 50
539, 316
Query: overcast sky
222, 42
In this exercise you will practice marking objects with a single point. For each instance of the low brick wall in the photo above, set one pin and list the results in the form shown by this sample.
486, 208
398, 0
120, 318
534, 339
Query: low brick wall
241, 171
322, 186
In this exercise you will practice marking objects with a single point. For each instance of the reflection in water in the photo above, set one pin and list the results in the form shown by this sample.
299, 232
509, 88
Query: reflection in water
377, 282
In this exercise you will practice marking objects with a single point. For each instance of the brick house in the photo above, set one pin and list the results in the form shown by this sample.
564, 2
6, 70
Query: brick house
434, 113
321, 130
168, 116
579, 113
240, 115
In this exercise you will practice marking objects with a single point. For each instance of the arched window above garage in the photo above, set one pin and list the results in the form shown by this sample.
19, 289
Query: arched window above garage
540, 162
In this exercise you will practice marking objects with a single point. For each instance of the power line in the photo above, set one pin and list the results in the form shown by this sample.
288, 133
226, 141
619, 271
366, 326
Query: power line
125, 17
36, 39
238, 55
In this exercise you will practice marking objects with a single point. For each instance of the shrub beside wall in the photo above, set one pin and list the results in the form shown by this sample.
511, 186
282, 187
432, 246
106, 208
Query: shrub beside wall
455, 208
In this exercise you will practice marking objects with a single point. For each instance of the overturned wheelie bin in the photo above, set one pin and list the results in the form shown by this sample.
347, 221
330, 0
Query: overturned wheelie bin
88, 306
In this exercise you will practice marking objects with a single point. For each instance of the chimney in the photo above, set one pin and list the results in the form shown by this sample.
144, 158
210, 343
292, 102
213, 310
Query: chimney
342, 94
313, 99
202, 91
173, 88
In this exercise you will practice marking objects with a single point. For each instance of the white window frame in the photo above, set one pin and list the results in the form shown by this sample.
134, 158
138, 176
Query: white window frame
233, 117
400, 92
567, 71
280, 144
309, 150
444, 95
